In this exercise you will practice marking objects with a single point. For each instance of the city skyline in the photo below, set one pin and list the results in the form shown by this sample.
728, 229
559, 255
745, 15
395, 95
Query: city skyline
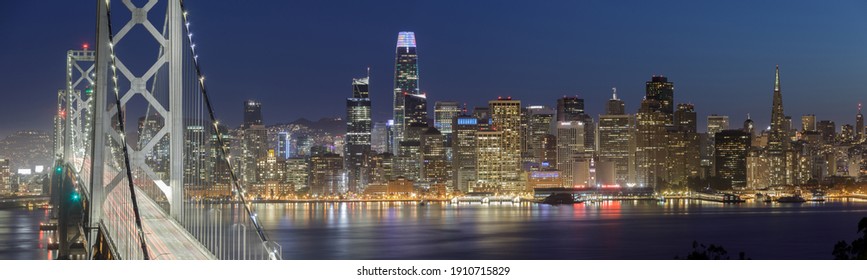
820, 65
509, 134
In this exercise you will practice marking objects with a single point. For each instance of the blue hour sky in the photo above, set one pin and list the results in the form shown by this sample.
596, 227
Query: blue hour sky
299, 57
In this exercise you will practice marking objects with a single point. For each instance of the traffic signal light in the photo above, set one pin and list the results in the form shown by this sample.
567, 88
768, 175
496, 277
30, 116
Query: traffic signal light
59, 169
75, 196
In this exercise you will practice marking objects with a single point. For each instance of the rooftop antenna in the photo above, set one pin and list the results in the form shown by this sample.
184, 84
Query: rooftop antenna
614, 93
368, 72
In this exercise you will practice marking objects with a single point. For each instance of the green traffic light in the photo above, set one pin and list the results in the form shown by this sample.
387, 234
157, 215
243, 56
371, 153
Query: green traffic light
59, 169
75, 197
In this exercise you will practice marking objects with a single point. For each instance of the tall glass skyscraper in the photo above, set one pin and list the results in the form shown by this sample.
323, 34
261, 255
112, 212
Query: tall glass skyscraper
283, 145
661, 90
859, 125
358, 125
252, 113
444, 113
409, 105
254, 139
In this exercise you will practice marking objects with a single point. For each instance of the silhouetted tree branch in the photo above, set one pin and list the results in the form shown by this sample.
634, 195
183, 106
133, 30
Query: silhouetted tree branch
857, 250
709, 252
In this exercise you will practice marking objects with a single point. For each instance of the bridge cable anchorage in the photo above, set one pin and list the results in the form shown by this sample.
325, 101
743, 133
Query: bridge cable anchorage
120, 123
241, 190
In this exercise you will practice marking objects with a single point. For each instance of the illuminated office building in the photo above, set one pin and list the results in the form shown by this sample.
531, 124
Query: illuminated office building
662, 91
506, 118
326, 174
406, 85
358, 126
731, 151
464, 128
615, 135
571, 156
650, 144
539, 119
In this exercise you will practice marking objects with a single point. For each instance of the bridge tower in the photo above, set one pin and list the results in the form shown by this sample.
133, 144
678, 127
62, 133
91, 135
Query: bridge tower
74, 102
170, 166
117, 83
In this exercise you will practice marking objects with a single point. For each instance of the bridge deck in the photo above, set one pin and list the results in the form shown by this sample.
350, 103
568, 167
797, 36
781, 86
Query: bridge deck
166, 238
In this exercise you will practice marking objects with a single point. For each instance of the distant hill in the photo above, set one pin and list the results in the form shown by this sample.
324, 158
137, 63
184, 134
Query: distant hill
26, 149
333, 126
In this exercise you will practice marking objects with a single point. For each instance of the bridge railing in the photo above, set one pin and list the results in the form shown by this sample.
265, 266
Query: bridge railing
227, 231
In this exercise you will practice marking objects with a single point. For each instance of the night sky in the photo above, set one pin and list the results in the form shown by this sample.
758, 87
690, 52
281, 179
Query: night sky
299, 57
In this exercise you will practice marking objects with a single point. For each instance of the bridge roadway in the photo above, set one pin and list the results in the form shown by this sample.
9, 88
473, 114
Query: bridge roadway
166, 238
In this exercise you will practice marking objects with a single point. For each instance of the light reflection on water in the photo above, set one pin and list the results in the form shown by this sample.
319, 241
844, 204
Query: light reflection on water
603, 230
20, 238
606, 230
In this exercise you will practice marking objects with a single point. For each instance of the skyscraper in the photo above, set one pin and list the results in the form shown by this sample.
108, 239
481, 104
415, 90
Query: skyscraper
572, 109
296, 173
254, 144
859, 125
379, 137
684, 157
464, 128
828, 131
498, 148
571, 154
326, 174
661, 90
685, 117
615, 135
415, 111
749, 126
808, 123
405, 84
493, 167
283, 145
615, 105
732, 147
272, 175
506, 117
252, 113
434, 168
650, 144
715, 124
539, 119
444, 112
5, 176
358, 127
778, 138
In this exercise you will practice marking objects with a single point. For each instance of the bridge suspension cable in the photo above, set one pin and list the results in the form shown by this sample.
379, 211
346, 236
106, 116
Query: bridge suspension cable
123, 144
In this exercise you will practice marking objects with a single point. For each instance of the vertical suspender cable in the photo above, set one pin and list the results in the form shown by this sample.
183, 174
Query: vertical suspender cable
235, 182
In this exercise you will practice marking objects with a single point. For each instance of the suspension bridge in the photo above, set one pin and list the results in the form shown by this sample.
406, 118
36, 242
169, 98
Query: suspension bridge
142, 168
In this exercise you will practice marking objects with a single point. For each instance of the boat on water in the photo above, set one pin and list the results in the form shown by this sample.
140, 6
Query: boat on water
717, 197
818, 196
561, 198
791, 199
